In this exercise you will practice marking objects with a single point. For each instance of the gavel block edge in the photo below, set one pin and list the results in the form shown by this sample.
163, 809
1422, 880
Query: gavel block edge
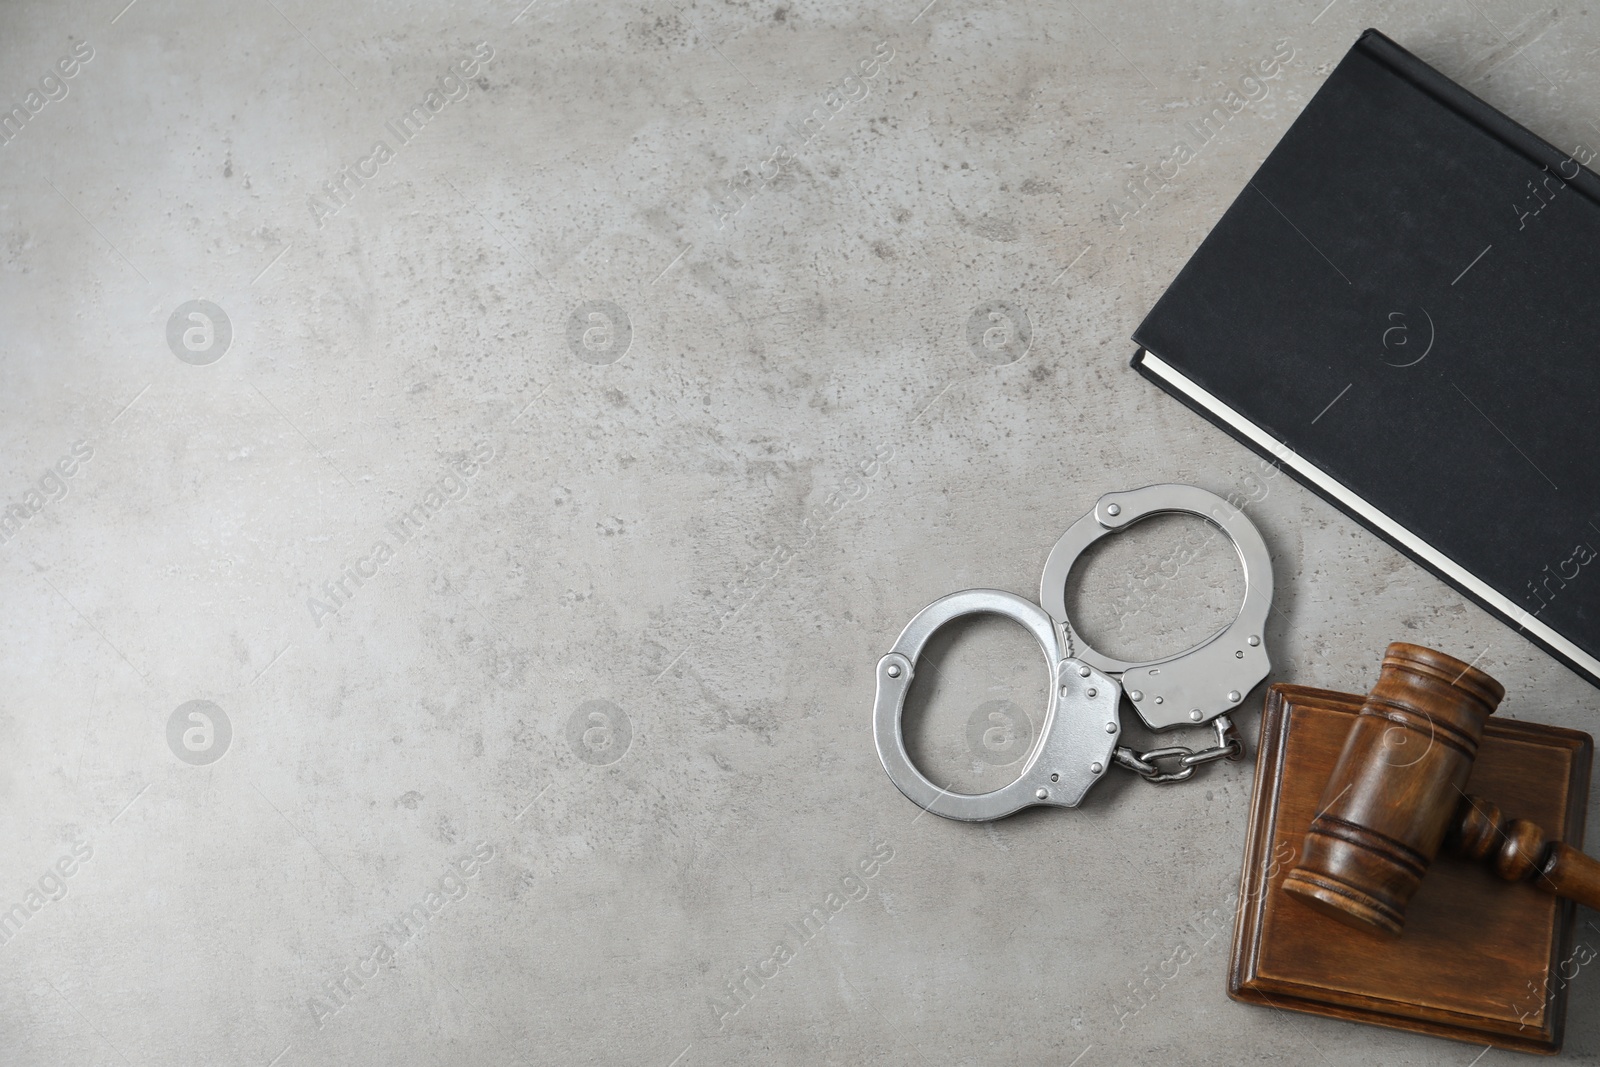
1460, 972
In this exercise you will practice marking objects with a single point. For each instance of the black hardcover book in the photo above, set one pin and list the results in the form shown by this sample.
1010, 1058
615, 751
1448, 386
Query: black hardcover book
1403, 307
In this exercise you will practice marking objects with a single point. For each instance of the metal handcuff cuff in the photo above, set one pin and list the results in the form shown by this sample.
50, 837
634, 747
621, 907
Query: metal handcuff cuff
1078, 741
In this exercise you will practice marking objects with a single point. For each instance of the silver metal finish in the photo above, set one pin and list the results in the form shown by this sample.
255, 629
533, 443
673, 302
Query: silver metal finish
1081, 724
1073, 745
1208, 677
1146, 764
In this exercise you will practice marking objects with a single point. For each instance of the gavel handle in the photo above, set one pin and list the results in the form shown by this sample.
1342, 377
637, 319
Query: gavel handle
1519, 852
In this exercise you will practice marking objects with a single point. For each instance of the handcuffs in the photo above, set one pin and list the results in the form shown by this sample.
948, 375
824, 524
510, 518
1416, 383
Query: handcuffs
1078, 741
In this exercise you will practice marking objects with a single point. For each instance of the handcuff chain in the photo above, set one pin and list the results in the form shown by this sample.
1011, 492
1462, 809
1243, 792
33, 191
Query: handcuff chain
1147, 764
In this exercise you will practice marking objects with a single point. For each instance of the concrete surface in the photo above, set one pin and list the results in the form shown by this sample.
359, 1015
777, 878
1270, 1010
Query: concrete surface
682, 388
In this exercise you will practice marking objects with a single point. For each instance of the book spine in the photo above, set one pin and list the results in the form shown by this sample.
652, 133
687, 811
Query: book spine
1513, 135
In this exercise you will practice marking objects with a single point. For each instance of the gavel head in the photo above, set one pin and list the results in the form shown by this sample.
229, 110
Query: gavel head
1395, 788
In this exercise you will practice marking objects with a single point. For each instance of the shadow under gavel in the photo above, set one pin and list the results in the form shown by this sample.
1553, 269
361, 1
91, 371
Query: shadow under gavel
1396, 797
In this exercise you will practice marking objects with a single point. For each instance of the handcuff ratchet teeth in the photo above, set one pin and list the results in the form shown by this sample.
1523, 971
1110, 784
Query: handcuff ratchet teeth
1078, 741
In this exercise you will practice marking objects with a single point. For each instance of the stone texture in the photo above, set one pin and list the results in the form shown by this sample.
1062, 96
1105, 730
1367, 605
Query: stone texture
628, 656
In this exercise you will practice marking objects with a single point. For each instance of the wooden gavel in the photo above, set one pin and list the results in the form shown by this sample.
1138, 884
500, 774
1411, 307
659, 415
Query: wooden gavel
1396, 797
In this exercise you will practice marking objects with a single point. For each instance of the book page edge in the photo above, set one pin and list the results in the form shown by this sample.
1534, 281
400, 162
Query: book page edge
1511, 612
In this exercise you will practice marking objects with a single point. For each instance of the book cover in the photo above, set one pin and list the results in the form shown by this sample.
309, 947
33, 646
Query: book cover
1400, 307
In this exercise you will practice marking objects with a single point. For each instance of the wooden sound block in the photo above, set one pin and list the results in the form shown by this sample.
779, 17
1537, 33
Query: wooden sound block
1480, 958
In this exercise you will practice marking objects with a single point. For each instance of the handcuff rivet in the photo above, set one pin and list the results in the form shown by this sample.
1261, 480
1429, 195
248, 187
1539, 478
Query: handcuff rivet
1135, 694
1160, 700
1239, 654
1066, 691
1083, 672
1093, 691
1096, 768
1056, 771
1196, 677
1111, 727
1195, 715
1233, 696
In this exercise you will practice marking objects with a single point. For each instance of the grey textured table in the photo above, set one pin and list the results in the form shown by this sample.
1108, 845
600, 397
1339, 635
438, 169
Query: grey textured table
463, 463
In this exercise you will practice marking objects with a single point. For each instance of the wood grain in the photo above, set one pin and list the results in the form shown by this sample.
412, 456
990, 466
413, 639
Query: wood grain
1397, 785
1475, 960
1521, 851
